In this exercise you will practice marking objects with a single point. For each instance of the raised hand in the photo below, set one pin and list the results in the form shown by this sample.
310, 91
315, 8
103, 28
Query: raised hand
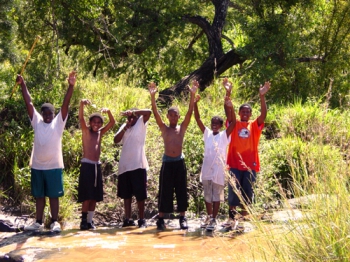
264, 88
227, 84
197, 98
104, 110
152, 88
72, 78
19, 79
85, 102
127, 113
194, 86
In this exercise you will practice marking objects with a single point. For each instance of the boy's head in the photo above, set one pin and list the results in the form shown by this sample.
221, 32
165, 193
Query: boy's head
47, 112
173, 115
95, 122
245, 112
216, 123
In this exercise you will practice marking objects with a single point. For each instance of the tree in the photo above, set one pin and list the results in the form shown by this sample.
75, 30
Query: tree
298, 44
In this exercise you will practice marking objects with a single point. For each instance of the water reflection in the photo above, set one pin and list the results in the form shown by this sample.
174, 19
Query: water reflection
116, 244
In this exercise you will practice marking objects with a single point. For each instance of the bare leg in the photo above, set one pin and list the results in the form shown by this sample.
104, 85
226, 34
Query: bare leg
40, 205
127, 208
85, 206
92, 205
216, 206
141, 207
54, 206
209, 208
232, 211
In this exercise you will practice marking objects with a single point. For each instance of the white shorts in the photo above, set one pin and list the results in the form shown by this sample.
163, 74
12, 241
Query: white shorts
213, 192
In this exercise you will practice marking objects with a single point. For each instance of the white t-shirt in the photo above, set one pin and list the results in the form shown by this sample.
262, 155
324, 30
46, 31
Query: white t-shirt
47, 148
133, 154
215, 153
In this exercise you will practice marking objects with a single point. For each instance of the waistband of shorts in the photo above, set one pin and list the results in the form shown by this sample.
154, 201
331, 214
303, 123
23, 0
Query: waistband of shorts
88, 161
172, 159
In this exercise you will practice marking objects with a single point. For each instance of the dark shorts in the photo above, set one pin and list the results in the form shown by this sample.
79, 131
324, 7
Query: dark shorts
90, 183
173, 178
47, 183
131, 183
244, 181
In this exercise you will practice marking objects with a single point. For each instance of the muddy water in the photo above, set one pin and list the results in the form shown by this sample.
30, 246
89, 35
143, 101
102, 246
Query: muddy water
134, 244
131, 244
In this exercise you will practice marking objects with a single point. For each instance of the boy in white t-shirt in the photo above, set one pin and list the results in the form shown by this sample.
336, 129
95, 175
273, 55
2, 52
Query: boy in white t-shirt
46, 160
133, 164
214, 162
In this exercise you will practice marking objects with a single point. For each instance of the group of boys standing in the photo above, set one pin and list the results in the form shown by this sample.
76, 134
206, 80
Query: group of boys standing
241, 137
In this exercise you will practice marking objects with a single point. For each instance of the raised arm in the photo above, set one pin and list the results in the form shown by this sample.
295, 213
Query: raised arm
82, 121
111, 122
188, 115
71, 82
26, 96
153, 90
231, 111
146, 113
228, 87
263, 108
196, 114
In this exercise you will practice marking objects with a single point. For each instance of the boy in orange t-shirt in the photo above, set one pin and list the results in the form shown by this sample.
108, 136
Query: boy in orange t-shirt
243, 158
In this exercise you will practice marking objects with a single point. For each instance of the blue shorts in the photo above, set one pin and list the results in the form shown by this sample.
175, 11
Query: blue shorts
47, 183
244, 180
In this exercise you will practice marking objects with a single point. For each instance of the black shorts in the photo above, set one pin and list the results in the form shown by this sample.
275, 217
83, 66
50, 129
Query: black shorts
90, 183
173, 178
131, 183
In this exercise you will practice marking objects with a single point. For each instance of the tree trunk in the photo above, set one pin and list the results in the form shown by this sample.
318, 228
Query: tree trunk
205, 74
216, 63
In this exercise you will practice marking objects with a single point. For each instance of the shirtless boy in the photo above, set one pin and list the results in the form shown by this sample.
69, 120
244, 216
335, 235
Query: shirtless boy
90, 189
173, 174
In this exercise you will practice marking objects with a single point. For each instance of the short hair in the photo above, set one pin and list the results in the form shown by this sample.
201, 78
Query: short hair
245, 105
221, 120
48, 106
98, 115
174, 108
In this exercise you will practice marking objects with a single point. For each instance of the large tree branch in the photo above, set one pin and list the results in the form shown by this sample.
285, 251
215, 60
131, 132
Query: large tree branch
204, 75
198, 20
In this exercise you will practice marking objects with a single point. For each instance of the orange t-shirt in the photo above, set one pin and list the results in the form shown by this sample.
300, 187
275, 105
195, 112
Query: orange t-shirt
243, 148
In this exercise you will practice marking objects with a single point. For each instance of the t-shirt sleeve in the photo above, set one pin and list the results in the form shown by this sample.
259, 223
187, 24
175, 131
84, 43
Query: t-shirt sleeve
59, 122
36, 119
206, 133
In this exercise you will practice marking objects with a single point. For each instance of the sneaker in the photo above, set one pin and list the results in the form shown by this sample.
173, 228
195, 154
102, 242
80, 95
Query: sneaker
212, 225
34, 227
128, 223
160, 224
91, 225
84, 225
183, 223
205, 222
55, 227
228, 223
142, 223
